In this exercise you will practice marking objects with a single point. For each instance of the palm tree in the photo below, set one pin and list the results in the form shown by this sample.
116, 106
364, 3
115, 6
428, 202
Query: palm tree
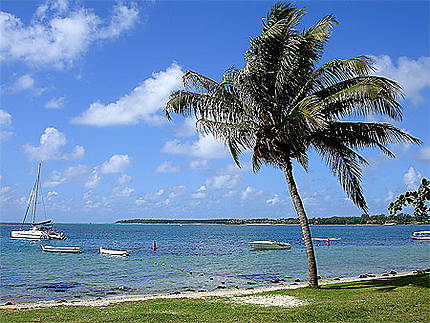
280, 106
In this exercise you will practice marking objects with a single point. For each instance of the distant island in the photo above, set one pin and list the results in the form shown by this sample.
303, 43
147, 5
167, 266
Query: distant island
364, 219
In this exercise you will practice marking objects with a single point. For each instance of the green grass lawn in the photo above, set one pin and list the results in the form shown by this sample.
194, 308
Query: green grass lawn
402, 299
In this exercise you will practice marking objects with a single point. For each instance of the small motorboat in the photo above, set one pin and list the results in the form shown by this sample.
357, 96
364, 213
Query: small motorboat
421, 235
114, 252
269, 245
61, 249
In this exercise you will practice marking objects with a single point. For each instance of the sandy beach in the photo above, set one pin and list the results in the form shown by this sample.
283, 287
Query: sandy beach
228, 293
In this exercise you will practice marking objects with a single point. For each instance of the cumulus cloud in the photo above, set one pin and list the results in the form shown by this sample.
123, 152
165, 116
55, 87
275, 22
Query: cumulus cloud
142, 104
5, 125
115, 164
55, 103
93, 179
167, 167
200, 193
424, 153
187, 129
250, 192
122, 191
412, 179
274, 200
123, 179
412, 75
51, 143
24, 82
222, 182
204, 147
71, 174
59, 32
199, 163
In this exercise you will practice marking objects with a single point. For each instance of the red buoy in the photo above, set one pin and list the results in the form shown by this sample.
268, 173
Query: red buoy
155, 246
328, 242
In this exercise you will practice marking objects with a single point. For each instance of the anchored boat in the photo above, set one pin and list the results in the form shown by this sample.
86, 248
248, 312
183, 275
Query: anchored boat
269, 245
61, 249
114, 252
421, 235
38, 231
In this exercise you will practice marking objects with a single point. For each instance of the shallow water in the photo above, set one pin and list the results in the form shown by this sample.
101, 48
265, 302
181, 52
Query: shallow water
220, 252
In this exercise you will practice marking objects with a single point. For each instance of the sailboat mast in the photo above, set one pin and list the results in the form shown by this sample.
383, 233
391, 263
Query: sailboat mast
35, 195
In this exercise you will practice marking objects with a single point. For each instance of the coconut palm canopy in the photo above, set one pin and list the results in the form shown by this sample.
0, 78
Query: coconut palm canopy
281, 104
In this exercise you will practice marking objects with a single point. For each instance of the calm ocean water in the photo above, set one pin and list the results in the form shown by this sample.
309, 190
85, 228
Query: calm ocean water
220, 252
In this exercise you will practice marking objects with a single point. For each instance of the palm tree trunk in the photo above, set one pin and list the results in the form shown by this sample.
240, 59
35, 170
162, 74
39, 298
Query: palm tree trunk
298, 205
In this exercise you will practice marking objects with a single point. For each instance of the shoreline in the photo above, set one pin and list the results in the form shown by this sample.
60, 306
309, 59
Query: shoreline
231, 292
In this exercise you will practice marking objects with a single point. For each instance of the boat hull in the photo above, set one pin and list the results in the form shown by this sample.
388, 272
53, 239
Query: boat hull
61, 249
114, 252
29, 235
269, 245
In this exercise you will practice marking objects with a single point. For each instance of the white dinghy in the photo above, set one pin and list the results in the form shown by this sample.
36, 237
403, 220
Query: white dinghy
61, 249
114, 252
269, 245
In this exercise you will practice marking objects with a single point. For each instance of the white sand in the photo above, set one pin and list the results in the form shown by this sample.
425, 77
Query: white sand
270, 300
228, 293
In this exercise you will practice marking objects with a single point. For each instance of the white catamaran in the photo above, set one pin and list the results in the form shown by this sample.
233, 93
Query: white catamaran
38, 231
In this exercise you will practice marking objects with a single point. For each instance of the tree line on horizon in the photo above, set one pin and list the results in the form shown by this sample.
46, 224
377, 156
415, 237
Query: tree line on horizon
400, 218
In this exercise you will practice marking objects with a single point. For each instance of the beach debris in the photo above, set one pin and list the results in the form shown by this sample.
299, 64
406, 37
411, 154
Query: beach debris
271, 300
171, 266
201, 274
163, 265
191, 272
140, 259
211, 278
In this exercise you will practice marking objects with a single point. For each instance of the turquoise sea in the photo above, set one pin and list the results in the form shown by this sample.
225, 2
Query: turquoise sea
195, 257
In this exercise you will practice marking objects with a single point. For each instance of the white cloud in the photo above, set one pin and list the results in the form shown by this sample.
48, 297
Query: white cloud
167, 167
204, 147
24, 82
123, 179
5, 125
176, 191
424, 153
5, 194
71, 174
55, 103
223, 182
250, 192
115, 164
142, 104
140, 201
59, 33
52, 194
390, 197
412, 178
51, 142
274, 200
93, 179
187, 129
123, 191
200, 193
412, 75
199, 163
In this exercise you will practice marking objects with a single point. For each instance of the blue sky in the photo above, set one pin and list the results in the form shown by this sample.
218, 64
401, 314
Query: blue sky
83, 84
